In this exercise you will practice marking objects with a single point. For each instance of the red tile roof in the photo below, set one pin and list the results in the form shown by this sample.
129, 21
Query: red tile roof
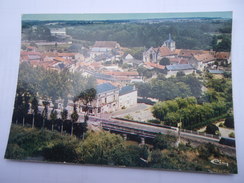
183, 61
222, 55
66, 54
154, 65
165, 51
59, 59
206, 57
175, 60
50, 54
105, 44
190, 53
25, 53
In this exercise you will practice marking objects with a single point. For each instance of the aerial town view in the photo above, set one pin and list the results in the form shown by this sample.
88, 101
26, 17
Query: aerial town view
148, 92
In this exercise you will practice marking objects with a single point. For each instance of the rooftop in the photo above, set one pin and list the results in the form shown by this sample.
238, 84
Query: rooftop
126, 89
105, 87
215, 71
165, 51
154, 65
179, 67
205, 57
222, 55
105, 44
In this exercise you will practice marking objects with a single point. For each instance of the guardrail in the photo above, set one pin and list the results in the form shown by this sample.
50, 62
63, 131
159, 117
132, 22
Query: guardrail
200, 133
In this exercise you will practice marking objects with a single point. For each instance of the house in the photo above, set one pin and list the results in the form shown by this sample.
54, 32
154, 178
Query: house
107, 98
130, 60
201, 61
103, 47
129, 74
223, 58
185, 68
58, 32
27, 56
188, 54
127, 97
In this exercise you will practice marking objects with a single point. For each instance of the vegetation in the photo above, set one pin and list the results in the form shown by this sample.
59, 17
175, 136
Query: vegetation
212, 129
164, 61
187, 34
105, 148
172, 87
187, 111
229, 121
51, 84
194, 112
232, 135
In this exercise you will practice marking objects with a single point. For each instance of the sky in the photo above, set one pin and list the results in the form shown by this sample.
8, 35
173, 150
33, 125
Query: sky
125, 16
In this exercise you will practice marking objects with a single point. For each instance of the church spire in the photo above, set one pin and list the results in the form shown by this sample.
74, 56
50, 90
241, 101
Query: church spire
170, 36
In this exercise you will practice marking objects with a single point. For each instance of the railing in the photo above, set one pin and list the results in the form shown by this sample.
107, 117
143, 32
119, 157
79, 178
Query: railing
200, 133
113, 124
128, 130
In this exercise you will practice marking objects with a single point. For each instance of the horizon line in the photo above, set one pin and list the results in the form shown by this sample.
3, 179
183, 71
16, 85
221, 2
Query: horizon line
124, 16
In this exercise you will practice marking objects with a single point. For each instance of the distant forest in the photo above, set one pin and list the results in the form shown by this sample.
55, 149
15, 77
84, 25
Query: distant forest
193, 34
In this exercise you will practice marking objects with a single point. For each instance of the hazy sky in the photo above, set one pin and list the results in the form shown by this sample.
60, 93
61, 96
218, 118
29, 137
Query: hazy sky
120, 16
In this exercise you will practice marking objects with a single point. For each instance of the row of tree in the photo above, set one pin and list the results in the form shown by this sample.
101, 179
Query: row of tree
27, 107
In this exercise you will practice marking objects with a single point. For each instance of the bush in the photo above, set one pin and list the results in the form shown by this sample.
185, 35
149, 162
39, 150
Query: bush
229, 122
61, 153
212, 129
15, 152
232, 135
163, 141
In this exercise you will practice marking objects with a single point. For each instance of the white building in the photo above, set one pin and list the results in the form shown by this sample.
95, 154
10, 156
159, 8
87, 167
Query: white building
127, 97
103, 48
185, 68
58, 32
107, 99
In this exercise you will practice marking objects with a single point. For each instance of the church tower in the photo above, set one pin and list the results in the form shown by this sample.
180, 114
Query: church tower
170, 43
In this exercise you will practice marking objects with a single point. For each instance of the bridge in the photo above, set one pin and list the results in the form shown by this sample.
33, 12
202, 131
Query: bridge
148, 130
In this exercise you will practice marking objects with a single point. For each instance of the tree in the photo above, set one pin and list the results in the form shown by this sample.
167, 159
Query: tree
212, 129
61, 152
53, 117
180, 74
74, 116
23, 105
45, 112
86, 97
34, 107
229, 121
164, 61
64, 116
163, 141
102, 148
